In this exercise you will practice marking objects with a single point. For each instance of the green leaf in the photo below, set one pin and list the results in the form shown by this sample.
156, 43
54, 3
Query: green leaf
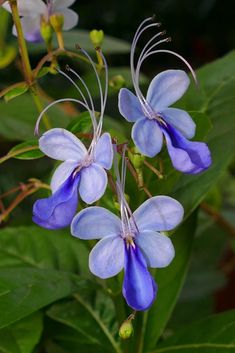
25, 290
43, 249
37, 267
20, 117
110, 44
30, 148
210, 335
15, 91
170, 281
22, 336
95, 324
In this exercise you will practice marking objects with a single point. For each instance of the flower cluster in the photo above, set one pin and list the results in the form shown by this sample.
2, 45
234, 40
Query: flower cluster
133, 241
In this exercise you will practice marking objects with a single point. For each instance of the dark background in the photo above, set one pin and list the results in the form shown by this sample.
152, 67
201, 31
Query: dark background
201, 30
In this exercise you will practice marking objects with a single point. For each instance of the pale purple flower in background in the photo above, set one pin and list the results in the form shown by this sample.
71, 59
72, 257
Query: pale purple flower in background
82, 170
133, 242
32, 12
154, 119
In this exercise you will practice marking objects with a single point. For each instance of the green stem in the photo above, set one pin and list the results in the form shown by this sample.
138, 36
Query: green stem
60, 39
21, 41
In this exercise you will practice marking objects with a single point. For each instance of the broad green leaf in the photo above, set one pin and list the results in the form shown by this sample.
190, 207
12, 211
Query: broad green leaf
22, 336
37, 267
36, 247
110, 45
170, 281
15, 91
19, 117
210, 335
24, 290
26, 150
95, 323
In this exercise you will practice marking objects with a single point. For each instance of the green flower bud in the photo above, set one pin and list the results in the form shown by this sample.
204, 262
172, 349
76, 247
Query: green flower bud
117, 82
57, 22
126, 330
136, 158
97, 37
46, 31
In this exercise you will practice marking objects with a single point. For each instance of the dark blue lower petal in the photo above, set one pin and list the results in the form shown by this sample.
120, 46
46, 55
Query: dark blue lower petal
139, 288
58, 210
190, 157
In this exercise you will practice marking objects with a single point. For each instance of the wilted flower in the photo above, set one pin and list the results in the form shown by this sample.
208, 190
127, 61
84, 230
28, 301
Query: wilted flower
82, 170
133, 242
154, 119
36, 11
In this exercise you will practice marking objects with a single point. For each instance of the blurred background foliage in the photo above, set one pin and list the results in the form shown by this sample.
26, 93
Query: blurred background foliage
55, 266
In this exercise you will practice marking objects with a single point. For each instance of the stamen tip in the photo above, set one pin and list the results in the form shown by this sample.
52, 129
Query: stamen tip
169, 39
67, 67
77, 46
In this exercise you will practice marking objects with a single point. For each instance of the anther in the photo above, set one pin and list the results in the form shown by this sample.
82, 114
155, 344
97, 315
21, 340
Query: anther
163, 33
67, 67
153, 17
169, 39
77, 46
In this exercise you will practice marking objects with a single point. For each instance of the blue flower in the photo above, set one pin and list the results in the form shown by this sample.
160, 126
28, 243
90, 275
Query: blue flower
33, 12
132, 243
154, 119
82, 171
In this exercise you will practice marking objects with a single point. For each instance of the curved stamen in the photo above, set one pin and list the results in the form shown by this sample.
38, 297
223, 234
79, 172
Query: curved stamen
144, 55
150, 41
91, 112
175, 54
99, 129
97, 78
36, 130
84, 85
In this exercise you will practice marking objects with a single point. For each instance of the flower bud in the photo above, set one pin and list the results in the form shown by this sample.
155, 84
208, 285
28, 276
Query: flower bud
97, 37
126, 330
136, 158
117, 82
46, 31
57, 22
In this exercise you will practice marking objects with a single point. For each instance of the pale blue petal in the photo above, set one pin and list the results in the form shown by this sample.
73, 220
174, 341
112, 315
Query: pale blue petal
180, 120
95, 223
159, 213
107, 257
62, 145
166, 88
70, 19
129, 105
139, 288
147, 137
189, 157
28, 7
157, 248
61, 173
31, 28
104, 151
93, 183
